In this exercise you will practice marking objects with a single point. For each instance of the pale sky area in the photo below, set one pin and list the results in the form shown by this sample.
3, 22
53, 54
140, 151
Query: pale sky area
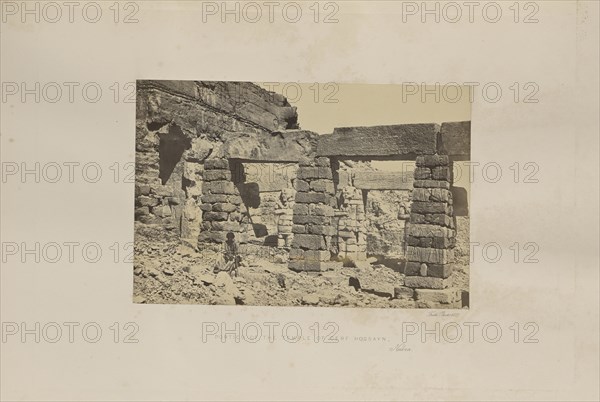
322, 107
371, 105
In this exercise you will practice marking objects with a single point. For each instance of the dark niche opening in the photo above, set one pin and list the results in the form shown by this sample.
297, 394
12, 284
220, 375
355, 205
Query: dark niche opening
170, 149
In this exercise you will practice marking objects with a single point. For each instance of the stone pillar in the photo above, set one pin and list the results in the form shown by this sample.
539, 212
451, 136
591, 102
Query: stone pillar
221, 203
431, 235
313, 214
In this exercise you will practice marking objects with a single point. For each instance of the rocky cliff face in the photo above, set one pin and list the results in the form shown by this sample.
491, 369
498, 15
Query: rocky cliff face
179, 124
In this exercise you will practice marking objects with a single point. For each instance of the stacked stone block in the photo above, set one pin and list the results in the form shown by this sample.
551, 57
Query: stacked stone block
153, 200
222, 205
431, 234
313, 214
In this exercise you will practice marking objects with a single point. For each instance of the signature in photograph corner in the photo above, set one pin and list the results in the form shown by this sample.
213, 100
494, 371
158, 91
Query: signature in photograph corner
442, 313
400, 347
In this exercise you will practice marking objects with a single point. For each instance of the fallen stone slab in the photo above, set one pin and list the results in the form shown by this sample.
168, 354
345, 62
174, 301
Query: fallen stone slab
370, 283
437, 305
403, 292
444, 296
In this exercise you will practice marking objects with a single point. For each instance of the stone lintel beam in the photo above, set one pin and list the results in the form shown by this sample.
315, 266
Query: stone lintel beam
402, 140
383, 180
284, 146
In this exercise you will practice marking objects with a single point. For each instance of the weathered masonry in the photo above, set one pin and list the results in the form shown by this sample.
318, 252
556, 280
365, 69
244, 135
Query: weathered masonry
181, 125
213, 158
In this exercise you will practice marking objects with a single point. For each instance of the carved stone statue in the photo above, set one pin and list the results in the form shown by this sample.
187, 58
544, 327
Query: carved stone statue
285, 215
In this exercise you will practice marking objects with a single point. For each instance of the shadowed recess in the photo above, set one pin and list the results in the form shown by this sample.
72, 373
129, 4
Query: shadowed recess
171, 148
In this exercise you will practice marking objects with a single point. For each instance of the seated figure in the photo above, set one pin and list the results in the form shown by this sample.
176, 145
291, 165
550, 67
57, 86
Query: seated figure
231, 259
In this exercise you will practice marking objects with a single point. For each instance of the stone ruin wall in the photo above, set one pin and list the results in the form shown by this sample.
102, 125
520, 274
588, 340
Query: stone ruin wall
207, 182
191, 119
263, 218
431, 231
386, 205
243, 198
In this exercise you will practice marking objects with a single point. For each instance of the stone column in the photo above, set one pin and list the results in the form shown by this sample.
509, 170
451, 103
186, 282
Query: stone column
313, 214
431, 235
220, 202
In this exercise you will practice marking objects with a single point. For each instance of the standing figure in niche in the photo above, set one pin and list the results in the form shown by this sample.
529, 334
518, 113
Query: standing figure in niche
285, 215
351, 231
